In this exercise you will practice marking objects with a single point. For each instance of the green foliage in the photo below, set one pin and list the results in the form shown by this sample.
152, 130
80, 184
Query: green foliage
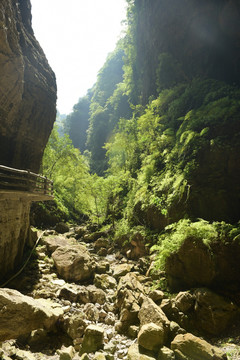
109, 103
200, 231
124, 233
123, 151
232, 350
77, 123
109, 76
67, 168
97, 136
105, 194
76, 190
160, 145
147, 150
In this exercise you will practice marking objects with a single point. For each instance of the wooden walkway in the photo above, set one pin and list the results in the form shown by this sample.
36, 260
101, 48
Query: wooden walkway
14, 181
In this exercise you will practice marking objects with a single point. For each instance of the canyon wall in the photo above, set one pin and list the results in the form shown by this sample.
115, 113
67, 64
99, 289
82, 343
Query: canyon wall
190, 41
27, 89
27, 114
14, 231
202, 38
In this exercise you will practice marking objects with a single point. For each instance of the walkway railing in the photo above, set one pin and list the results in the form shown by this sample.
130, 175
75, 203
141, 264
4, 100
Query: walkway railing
22, 180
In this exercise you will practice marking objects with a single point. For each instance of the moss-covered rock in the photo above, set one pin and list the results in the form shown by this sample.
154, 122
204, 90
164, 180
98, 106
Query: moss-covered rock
200, 254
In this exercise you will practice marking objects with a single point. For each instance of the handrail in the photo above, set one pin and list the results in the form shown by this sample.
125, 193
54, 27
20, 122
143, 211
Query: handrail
24, 180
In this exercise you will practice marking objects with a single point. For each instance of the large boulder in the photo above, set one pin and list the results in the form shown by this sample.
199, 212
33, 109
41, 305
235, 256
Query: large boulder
192, 265
73, 263
184, 301
93, 339
55, 241
96, 295
213, 313
120, 270
201, 309
151, 336
137, 353
210, 260
188, 346
66, 353
138, 247
152, 313
62, 228
129, 291
21, 314
75, 325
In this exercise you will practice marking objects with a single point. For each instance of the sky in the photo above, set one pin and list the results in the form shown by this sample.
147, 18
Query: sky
77, 36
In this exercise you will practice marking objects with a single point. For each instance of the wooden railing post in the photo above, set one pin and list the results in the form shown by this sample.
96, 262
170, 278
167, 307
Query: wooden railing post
45, 186
28, 180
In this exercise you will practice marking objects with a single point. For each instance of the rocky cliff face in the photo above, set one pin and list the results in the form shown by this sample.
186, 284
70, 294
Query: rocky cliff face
189, 42
202, 37
27, 113
27, 89
14, 231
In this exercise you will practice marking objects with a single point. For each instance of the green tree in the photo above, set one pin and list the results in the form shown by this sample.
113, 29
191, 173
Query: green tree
77, 123
69, 171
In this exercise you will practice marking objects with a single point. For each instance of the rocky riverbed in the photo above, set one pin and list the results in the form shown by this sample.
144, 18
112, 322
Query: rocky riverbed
81, 297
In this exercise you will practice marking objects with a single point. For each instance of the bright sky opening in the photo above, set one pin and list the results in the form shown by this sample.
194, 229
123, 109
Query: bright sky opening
76, 37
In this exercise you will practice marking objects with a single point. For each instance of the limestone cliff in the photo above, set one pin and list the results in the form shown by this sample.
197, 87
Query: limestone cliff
27, 89
201, 36
27, 113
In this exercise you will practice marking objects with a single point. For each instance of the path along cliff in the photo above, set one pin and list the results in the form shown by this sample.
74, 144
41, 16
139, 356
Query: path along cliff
81, 297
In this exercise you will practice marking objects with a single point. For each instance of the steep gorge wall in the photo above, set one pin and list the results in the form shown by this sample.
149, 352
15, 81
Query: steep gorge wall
27, 114
202, 36
14, 231
27, 89
190, 41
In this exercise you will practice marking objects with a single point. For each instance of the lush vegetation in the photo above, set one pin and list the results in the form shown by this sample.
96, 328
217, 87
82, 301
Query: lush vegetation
158, 146
77, 192
198, 231
94, 117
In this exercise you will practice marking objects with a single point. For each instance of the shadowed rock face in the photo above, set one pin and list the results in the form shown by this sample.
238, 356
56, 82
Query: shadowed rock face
27, 113
202, 36
27, 89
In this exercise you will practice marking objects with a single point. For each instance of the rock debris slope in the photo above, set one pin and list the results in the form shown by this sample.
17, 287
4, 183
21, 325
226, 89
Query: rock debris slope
110, 313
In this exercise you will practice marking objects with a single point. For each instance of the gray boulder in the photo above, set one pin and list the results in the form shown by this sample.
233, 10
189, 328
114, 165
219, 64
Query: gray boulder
75, 325
21, 314
188, 346
135, 353
166, 354
150, 312
92, 340
55, 241
62, 228
73, 263
105, 281
151, 336
213, 312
